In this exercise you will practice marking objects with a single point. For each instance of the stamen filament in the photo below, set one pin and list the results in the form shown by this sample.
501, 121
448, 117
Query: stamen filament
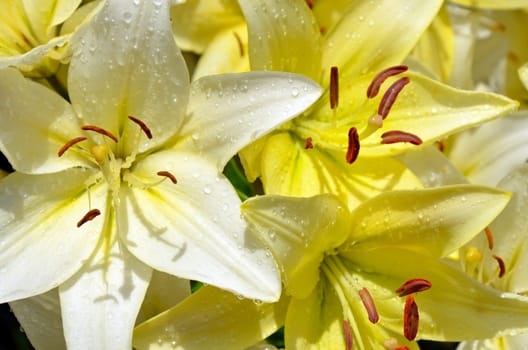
390, 96
368, 302
379, 79
502, 265
395, 136
89, 216
99, 131
69, 144
142, 125
240, 44
489, 236
413, 286
348, 335
334, 87
410, 318
353, 145
168, 175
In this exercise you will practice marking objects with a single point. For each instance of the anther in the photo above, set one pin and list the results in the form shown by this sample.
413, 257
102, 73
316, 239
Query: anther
69, 144
489, 236
401, 347
310, 3
240, 44
413, 286
395, 136
440, 145
502, 265
89, 216
353, 145
168, 175
379, 79
142, 125
410, 318
99, 131
348, 335
309, 144
368, 302
390, 96
334, 87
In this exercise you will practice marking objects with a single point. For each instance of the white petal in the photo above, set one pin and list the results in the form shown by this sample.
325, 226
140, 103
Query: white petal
40, 317
125, 63
229, 111
485, 155
193, 229
41, 243
40, 123
100, 303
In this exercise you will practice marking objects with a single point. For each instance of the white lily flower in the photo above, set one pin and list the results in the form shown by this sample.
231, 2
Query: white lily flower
128, 177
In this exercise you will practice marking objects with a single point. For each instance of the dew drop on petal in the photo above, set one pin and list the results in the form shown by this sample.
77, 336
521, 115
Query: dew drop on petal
207, 189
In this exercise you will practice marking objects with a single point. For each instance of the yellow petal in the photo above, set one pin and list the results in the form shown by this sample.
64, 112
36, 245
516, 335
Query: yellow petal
290, 169
493, 4
434, 222
298, 231
211, 318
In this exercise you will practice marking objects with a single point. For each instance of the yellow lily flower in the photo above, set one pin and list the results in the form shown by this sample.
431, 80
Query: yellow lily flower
127, 177
349, 276
501, 260
30, 37
344, 144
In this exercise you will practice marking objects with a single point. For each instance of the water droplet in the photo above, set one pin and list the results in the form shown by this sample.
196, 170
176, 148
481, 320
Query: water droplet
207, 189
127, 17
295, 92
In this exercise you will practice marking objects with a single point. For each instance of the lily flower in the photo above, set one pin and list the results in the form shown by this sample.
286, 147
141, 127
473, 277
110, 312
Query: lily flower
30, 34
372, 108
127, 177
369, 279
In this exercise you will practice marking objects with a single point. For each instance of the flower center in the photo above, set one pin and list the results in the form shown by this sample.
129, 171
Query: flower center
113, 169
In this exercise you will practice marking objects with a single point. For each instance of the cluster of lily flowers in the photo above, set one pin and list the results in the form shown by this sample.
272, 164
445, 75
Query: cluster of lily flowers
200, 174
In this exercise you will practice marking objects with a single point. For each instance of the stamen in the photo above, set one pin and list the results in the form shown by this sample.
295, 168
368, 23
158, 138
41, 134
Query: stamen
390, 96
240, 44
309, 144
99, 131
395, 136
310, 3
70, 143
413, 286
379, 79
322, 30
89, 216
489, 236
368, 302
348, 335
168, 175
502, 265
402, 347
410, 318
440, 145
142, 125
334, 87
353, 145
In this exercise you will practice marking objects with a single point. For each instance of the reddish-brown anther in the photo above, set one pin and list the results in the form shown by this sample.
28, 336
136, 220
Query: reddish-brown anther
334, 87
309, 144
99, 131
413, 286
401, 347
410, 318
348, 335
502, 265
368, 302
70, 143
353, 145
390, 96
92, 214
142, 125
240, 44
395, 136
168, 175
379, 79
310, 3
489, 237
